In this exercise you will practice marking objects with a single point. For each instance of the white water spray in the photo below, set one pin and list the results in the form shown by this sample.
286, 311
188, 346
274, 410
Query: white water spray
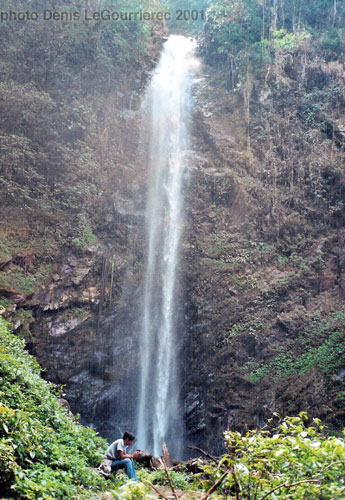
168, 105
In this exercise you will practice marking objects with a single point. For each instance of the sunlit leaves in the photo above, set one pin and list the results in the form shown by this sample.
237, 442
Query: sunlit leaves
43, 453
297, 460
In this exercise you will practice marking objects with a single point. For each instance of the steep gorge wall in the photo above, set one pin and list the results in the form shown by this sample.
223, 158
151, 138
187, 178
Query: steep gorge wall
73, 203
263, 260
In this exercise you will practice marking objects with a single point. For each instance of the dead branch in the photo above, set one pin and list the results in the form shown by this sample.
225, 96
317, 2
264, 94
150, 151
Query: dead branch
215, 486
229, 470
169, 479
192, 447
156, 489
285, 485
237, 486
166, 455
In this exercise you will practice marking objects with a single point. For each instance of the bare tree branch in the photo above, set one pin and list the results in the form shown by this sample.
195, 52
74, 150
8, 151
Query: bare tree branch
169, 479
215, 486
156, 489
191, 447
237, 486
285, 485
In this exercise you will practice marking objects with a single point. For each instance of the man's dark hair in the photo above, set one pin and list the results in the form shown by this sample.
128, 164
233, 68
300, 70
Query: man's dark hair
128, 435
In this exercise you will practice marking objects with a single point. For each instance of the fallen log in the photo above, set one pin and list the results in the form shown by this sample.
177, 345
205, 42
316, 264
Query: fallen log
215, 486
145, 458
156, 463
195, 465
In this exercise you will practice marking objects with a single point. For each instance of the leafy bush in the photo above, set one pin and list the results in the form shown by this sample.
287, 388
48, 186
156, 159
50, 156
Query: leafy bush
180, 480
131, 491
295, 461
43, 452
232, 37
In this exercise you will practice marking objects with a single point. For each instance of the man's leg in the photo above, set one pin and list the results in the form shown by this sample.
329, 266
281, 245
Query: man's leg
130, 470
126, 464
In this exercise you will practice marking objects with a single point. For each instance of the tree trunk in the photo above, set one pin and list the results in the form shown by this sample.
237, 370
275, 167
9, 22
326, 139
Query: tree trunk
334, 11
166, 455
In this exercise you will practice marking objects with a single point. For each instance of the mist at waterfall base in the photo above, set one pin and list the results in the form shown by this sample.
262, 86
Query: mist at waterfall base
167, 112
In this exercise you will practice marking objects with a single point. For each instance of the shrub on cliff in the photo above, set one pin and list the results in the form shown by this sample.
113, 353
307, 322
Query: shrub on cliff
43, 452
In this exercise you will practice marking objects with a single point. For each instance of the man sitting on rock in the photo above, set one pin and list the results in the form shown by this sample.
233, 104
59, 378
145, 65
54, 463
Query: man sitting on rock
120, 459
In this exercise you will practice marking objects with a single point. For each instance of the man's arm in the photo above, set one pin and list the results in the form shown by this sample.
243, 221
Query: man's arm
123, 455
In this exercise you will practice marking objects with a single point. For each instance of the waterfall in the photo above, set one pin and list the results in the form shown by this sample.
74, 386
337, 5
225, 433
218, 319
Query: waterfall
168, 108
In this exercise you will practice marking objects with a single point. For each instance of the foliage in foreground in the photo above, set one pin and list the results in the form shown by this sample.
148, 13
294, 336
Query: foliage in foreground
44, 454
180, 480
296, 461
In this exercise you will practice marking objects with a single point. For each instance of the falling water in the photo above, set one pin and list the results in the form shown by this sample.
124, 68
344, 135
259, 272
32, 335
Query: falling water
167, 104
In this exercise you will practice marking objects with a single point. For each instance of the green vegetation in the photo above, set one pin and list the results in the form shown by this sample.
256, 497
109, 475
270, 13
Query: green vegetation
218, 263
87, 237
279, 61
288, 41
54, 117
23, 318
244, 327
280, 66
18, 281
295, 460
180, 480
323, 345
245, 34
22, 282
5, 252
43, 452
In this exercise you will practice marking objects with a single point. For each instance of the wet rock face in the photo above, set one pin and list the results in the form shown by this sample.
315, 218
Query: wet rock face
63, 288
242, 307
85, 336
98, 370
194, 409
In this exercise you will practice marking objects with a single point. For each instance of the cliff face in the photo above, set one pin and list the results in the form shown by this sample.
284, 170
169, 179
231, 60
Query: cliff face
265, 255
73, 203
262, 261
